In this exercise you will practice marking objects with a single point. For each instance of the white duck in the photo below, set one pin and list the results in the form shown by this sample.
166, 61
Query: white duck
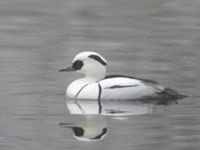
96, 85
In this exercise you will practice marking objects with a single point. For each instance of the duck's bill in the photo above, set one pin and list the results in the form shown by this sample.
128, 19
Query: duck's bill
68, 69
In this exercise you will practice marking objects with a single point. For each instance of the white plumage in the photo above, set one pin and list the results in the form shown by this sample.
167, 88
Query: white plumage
96, 85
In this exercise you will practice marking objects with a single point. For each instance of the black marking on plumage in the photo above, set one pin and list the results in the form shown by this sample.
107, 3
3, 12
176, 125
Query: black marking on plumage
99, 98
76, 100
97, 58
120, 86
104, 131
77, 65
80, 90
124, 76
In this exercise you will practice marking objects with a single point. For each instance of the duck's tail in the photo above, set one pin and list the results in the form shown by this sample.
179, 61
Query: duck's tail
169, 96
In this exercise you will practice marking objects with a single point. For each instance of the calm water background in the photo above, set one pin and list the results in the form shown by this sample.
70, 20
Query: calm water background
155, 39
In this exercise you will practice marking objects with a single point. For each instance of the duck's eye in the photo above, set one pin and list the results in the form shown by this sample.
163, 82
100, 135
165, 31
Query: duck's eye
77, 65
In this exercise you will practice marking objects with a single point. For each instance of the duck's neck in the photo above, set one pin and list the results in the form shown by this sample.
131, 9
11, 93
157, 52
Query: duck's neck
92, 79
95, 74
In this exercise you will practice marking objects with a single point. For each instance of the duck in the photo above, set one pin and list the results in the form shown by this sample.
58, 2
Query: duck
96, 85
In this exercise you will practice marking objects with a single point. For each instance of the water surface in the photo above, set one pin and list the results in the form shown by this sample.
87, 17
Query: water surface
154, 39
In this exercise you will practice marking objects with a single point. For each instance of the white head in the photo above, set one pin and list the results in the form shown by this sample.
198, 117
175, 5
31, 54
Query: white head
89, 63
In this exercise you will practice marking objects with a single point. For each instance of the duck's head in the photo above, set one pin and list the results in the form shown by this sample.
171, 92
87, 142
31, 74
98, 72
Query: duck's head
92, 128
89, 133
89, 63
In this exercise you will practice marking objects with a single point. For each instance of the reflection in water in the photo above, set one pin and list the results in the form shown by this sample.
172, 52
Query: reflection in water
94, 126
113, 107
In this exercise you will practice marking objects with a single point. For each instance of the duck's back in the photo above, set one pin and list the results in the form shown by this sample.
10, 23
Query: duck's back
125, 87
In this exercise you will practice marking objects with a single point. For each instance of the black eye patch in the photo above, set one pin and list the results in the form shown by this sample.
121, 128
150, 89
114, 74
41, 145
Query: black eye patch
77, 65
78, 131
97, 58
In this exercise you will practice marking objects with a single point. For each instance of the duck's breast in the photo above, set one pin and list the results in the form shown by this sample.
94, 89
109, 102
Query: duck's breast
83, 89
86, 91
90, 91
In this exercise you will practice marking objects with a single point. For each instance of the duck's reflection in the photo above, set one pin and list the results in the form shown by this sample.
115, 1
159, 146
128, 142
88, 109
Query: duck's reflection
94, 126
110, 107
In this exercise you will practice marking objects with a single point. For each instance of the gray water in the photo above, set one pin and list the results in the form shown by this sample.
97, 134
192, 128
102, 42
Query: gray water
154, 39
